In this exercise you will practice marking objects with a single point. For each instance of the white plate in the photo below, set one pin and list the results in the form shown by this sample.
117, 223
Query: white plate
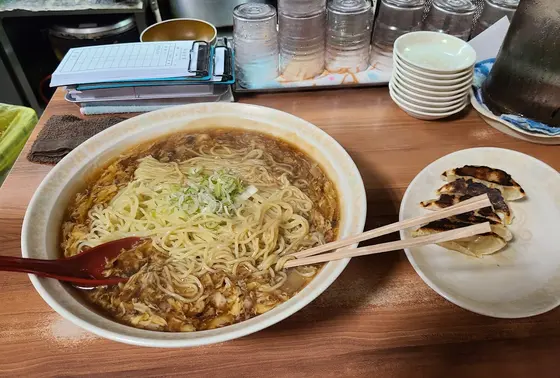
432, 97
519, 281
510, 129
415, 101
425, 108
427, 116
409, 74
441, 87
412, 86
435, 52
430, 75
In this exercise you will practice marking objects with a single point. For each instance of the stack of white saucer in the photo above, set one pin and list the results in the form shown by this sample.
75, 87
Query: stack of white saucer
432, 74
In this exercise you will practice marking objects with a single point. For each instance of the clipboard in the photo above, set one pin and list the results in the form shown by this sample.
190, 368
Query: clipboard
135, 62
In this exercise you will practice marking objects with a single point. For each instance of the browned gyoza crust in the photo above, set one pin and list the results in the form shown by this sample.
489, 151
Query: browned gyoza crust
493, 175
468, 188
447, 200
474, 217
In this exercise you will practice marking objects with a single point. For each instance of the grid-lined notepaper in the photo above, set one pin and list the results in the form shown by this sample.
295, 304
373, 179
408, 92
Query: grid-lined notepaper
127, 61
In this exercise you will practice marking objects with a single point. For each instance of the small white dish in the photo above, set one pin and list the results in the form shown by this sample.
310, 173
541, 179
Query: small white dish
428, 116
435, 96
428, 91
435, 52
523, 279
443, 86
438, 82
424, 108
509, 129
434, 103
430, 75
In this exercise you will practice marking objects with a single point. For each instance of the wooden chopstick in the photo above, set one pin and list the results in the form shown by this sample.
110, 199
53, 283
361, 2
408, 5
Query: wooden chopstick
440, 237
471, 204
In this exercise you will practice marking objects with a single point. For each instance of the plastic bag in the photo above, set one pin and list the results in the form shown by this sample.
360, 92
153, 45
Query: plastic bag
16, 124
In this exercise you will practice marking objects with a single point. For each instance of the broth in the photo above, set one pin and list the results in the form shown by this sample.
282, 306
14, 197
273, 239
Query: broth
221, 211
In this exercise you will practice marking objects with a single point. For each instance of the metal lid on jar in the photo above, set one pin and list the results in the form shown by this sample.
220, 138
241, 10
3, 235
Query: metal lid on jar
254, 12
507, 4
349, 7
405, 3
455, 6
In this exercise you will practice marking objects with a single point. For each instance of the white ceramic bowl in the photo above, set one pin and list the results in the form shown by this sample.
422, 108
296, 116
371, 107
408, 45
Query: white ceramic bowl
428, 81
435, 52
432, 97
430, 75
426, 108
434, 103
440, 87
428, 92
41, 225
428, 116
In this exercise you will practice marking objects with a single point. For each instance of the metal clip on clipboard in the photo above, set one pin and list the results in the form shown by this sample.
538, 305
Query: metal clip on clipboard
202, 48
227, 75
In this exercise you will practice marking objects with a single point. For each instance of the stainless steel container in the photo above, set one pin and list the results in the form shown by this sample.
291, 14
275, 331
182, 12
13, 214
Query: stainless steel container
109, 30
525, 79
217, 12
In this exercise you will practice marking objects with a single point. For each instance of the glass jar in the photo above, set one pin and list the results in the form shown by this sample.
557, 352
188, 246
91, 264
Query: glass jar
255, 41
348, 37
302, 46
493, 11
395, 18
454, 17
301, 8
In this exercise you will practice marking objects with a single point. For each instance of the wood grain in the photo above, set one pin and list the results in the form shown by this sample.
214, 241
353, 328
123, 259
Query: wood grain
377, 320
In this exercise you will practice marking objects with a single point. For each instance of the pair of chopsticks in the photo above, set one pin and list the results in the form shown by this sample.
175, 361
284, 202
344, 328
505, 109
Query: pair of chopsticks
316, 255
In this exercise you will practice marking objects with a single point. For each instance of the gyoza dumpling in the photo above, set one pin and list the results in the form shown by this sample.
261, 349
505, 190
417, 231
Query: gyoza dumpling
472, 218
447, 200
491, 177
476, 246
469, 188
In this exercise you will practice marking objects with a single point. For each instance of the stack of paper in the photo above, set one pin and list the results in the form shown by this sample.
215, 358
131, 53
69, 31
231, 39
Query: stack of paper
136, 77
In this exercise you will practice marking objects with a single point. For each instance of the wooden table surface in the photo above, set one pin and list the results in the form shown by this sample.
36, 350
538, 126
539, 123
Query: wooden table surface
377, 320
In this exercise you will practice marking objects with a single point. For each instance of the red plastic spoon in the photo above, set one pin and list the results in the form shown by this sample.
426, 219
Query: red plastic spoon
84, 269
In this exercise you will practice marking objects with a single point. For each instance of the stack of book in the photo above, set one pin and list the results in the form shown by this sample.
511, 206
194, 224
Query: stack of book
140, 77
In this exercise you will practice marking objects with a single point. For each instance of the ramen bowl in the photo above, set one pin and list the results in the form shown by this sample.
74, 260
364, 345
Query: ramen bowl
180, 29
44, 216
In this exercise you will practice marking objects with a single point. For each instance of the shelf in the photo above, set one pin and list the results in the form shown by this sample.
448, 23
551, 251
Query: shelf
17, 8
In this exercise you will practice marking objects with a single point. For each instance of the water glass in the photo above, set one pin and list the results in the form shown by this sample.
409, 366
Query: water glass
395, 18
493, 11
454, 17
348, 37
301, 8
255, 41
302, 46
